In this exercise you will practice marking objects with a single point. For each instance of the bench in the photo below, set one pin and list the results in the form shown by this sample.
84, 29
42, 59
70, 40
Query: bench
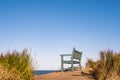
75, 59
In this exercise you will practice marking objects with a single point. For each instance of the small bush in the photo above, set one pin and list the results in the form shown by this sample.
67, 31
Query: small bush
16, 66
107, 67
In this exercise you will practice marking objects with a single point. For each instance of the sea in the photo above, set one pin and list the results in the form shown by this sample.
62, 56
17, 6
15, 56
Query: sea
40, 72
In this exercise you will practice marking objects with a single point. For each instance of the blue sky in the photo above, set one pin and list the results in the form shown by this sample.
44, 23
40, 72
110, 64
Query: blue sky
53, 27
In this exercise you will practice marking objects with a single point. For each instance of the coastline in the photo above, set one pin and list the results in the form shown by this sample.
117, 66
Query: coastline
41, 72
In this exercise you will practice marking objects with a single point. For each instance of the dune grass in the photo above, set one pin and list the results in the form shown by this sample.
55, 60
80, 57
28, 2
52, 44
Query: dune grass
15, 66
107, 67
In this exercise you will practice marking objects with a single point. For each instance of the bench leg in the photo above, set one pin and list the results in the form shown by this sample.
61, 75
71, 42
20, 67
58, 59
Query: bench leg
80, 67
62, 68
72, 68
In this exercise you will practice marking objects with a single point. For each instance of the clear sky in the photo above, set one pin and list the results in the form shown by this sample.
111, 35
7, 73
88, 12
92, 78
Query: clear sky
53, 27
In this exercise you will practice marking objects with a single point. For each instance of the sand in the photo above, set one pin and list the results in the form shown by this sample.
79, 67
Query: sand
76, 75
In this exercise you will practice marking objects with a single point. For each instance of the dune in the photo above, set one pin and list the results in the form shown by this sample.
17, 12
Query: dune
68, 75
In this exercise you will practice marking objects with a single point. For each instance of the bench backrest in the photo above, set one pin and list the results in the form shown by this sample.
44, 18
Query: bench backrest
76, 54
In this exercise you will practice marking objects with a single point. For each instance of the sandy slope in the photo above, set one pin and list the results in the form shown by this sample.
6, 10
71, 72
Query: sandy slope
76, 75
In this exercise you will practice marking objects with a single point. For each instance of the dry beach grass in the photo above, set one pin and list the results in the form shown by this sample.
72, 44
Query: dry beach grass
15, 66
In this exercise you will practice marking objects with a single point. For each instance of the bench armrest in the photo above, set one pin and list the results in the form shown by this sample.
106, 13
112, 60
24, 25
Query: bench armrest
66, 55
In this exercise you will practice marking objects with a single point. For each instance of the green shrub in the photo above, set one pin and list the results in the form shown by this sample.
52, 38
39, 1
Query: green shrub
16, 66
107, 67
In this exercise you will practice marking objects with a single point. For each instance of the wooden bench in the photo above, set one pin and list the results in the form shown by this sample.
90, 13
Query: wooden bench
75, 59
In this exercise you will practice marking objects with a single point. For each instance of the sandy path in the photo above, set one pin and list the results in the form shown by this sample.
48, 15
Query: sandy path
76, 75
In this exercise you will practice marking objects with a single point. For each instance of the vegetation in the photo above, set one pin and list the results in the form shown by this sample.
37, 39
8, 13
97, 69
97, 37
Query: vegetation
107, 67
15, 66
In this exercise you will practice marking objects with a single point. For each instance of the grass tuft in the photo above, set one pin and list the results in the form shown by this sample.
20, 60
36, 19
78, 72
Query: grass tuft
16, 66
107, 67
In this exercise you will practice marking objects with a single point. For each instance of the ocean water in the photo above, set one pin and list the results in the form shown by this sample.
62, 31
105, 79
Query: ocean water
39, 72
